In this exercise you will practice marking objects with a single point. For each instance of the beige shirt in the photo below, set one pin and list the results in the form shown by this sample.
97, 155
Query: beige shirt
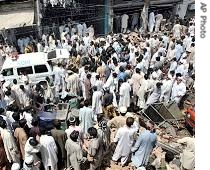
188, 155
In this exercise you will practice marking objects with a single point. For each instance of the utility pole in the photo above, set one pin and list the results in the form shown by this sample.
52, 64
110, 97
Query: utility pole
38, 17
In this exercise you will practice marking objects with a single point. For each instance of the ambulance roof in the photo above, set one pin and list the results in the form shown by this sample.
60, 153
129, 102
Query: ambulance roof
58, 54
25, 60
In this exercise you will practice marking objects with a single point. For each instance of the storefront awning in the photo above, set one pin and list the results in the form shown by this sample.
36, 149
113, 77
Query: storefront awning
16, 19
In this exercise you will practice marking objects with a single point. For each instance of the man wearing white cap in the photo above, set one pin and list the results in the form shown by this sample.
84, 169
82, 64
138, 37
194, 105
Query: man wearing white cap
15, 166
29, 164
118, 121
178, 90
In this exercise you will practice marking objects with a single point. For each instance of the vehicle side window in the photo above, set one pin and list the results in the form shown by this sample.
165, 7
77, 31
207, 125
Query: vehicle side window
8, 72
27, 70
40, 68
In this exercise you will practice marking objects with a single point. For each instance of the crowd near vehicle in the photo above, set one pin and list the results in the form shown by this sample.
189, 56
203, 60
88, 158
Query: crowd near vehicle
35, 65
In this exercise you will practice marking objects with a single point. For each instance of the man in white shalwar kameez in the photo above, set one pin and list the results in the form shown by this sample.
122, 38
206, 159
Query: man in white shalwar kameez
97, 101
58, 78
178, 90
21, 45
180, 68
151, 23
124, 23
48, 151
177, 31
173, 65
188, 154
136, 79
24, 96
166, 89
32, 147
10, 146
98, 83
159, 18
124, 139
82, 78
141, 92
125, 89
84, 30
111, 82
135, 19
72, 81
79, 30
86, 117
91, 32
155, 96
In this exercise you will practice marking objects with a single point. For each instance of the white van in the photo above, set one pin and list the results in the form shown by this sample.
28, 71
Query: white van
34, 64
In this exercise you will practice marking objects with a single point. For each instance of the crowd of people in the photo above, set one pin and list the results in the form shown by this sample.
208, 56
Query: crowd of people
115, 77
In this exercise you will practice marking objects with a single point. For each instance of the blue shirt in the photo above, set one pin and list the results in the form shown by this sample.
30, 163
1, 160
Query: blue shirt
121, 75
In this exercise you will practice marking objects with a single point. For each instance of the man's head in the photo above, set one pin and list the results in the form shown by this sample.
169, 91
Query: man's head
129, 121
94, 88
138, 70
22, 123
16, 116
72, 120
122, 110
2, 111
86, 68
150, 167
97, 77
114, 75
86, 103
169, 156
159, 84
35, 121
89, 76
15, 166
150, 125
74, 135
179, 80
57, 123
3, 123
93, 132
14, 81
33, 142
22, 87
